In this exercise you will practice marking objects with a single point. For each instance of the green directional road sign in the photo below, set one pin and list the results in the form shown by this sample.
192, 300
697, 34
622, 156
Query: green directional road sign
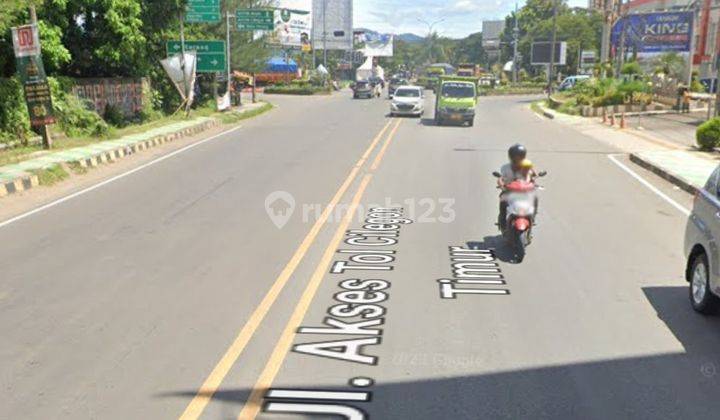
210, 54
255, 20
203, 11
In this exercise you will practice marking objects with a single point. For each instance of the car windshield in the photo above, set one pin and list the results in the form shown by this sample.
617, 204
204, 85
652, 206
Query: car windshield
458, 90
361, 84
407, 93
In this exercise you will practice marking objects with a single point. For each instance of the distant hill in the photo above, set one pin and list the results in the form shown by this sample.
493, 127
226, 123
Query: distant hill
406, 37
410, 38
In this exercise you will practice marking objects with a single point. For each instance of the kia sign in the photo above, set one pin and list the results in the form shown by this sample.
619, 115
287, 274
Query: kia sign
655, 32
26, 41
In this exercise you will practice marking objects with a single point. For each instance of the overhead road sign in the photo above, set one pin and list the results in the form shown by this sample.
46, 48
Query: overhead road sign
211, 55
203, 11
255, 19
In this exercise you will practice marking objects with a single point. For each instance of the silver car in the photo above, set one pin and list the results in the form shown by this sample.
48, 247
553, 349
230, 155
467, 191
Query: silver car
701, 248
408, 100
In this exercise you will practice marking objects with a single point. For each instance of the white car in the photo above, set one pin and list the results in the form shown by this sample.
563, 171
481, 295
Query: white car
408, 100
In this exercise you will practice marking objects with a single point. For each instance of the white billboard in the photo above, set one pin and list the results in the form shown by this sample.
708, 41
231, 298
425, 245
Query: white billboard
378, 45
332, 26
292, 28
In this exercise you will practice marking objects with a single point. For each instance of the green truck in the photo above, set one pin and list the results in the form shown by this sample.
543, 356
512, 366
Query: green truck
455, 100
430, 79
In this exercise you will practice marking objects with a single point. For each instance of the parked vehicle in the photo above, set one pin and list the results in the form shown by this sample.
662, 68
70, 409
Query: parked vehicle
408, 100
469, 70
455, 100
363, 89
703, 257
517, 228
571, 81
394, 83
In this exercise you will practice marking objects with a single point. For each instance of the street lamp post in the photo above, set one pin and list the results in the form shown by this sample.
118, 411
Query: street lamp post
551, 67
431, 26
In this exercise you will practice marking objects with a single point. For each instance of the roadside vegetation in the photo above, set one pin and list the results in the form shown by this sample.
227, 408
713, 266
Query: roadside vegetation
119, 38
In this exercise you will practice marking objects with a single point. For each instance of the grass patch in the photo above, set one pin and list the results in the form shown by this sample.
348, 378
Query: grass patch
77, 169
537, 106
234, 116
22, 153
51, 175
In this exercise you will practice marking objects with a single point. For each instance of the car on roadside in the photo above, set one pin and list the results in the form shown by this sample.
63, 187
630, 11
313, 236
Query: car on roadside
703, 256
363, 89
394, 83
572, 81
408, 100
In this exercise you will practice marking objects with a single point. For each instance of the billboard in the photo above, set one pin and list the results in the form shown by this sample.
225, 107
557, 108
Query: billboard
655, 32
491, 32
378, 45
292, 28
332, 24
541, 52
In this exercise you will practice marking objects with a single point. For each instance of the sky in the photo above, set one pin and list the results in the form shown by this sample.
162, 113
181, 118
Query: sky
460, 17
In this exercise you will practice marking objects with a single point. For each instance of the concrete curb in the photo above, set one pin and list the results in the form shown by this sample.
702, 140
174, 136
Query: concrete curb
28, 181
676, 180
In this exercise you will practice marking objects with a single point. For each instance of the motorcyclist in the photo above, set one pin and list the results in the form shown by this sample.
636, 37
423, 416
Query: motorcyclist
511, 171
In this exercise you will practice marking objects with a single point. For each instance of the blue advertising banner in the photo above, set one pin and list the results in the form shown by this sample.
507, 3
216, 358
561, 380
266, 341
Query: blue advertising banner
655, 32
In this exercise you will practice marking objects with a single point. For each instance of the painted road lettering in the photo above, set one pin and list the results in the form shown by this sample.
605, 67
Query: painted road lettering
357, 316
473, 270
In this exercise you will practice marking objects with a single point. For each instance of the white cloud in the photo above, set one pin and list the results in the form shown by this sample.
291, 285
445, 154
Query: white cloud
462, 17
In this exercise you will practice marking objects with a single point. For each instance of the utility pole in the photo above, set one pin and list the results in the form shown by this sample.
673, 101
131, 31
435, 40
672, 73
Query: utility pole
431, 26
551, 67
607, 30
186, 86
516, 36
325, 2
227, 53
44, 129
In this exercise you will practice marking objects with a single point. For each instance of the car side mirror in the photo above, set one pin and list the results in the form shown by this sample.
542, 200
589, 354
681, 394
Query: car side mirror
542, 173
496, 174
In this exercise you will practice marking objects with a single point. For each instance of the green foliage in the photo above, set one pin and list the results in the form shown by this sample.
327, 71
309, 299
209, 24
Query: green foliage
74, 116
579, 27
14, 120
54, 53
631, 68
297, 89
708, 134
605, 92
670, 64
114, 116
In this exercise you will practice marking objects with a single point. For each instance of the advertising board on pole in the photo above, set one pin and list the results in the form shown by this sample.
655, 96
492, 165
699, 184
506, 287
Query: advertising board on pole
332, 24
26, 44
658, 32
292, 29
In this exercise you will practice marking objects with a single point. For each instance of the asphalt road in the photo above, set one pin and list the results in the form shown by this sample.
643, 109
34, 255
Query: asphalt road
172, 293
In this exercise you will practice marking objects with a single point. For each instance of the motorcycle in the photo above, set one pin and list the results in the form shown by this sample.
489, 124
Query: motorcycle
517, 228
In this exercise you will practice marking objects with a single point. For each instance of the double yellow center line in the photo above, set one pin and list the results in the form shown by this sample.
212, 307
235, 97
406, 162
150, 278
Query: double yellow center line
214, 380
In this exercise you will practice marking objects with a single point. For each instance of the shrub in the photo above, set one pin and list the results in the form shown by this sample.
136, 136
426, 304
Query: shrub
73, 115
14, 120
708, 134
113, 115
296, 90
631, 68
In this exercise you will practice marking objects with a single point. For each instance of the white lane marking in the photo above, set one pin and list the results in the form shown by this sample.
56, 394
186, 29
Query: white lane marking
113, 179
651, 187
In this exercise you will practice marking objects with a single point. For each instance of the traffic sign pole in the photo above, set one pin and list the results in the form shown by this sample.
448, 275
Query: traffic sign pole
182, 64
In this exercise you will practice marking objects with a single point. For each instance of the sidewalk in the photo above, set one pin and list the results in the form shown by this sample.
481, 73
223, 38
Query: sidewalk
24, 175
663, 144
